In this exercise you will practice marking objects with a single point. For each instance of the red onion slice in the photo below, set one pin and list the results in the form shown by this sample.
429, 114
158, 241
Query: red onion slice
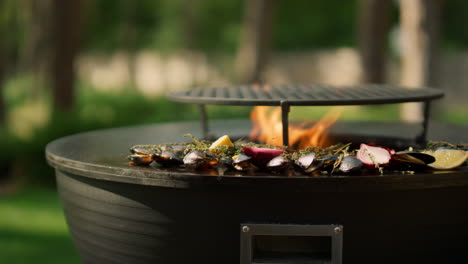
261, 156
373, 155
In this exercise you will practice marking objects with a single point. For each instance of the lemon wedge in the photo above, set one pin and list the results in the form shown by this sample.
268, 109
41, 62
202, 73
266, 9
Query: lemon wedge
447, 159
222, 141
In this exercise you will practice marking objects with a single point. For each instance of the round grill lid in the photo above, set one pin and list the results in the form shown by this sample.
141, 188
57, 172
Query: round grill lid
305, 94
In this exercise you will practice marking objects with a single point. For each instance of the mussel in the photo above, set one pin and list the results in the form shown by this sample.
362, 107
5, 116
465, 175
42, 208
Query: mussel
176, 149
141, 159
350, 164
413, 157
200, 159
243, 162
142, 149
279, 163
309, 162
167, 158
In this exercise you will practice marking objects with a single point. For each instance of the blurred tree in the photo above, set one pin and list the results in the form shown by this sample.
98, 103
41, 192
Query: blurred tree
256, 40
36, 48
8, 12
67, 31
304, 24
191, 23
129, 35
373, 31
420, 24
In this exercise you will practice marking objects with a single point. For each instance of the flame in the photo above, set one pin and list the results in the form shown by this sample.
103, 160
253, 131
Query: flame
267, 128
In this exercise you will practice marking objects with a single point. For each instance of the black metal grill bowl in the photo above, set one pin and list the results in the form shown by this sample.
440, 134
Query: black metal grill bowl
122, 214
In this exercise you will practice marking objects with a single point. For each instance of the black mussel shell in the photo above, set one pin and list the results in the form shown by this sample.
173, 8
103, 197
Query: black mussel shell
305, 161
413, 157
167, 158
309, 162
326, 164
176, 149
350, 164
243, 162
200, 159
226, 161
141, 160
194, 158
142, 150
279, 163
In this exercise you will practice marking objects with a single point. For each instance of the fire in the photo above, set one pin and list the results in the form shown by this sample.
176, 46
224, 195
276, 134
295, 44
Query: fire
267, 128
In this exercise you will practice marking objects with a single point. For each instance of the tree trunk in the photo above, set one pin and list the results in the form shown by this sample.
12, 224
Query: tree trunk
420, 23
256, 39
8, 17
373, 31
67, 28
129, 37
190, 23
2, 85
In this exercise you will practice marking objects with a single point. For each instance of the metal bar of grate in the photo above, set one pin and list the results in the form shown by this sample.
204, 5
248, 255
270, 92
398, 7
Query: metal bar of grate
307, 95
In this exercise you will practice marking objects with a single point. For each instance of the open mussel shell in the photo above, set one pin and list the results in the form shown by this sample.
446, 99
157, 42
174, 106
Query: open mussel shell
167, 158
350, 164
200, 159
413, 157
309, 162
142, 150
176, 149
279, 163
243, 162
141, 159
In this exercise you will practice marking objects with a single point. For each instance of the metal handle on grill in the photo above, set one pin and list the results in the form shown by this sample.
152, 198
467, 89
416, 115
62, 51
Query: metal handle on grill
286, 243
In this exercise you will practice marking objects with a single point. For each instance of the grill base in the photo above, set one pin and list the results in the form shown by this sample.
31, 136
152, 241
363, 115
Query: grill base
128, 223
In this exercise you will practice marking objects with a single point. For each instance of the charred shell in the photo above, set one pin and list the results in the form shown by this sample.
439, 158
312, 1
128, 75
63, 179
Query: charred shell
279, 163
243, 162
350, 164
167, 158
413, 157
200, 159
142, 150
309, 162
141, 160
176, 149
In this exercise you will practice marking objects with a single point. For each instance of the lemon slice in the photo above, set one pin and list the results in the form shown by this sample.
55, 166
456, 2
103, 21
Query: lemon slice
222, 141
447, 159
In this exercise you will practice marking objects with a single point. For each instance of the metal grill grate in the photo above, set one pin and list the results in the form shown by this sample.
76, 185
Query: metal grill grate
305, 95
302, 95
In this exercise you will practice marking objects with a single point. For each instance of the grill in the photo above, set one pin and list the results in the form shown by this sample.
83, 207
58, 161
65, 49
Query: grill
122, 214
306, 95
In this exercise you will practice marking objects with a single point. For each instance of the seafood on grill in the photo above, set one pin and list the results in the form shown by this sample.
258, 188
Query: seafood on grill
350, 164
247, 157
198, 159
279, 163
242, 162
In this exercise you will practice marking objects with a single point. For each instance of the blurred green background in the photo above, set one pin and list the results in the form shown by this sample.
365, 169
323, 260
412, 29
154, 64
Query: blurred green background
73, 66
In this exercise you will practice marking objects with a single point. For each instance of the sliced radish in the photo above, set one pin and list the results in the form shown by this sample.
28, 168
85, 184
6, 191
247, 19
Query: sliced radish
373, 155
261, 156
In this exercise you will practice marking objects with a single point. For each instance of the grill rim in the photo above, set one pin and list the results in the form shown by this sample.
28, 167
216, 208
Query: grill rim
58, 156
386, 94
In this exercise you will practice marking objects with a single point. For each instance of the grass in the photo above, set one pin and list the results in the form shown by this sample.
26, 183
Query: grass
33, 229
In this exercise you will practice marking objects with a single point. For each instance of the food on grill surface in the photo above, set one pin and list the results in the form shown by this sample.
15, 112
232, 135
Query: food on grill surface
446, 159
222, 141
350, 164
374, 156
261, 156
223, 155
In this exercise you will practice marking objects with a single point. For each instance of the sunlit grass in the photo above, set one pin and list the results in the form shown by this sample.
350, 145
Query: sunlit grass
33, 229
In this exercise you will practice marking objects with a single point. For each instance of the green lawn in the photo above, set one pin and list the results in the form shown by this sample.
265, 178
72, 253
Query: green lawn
33, 229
